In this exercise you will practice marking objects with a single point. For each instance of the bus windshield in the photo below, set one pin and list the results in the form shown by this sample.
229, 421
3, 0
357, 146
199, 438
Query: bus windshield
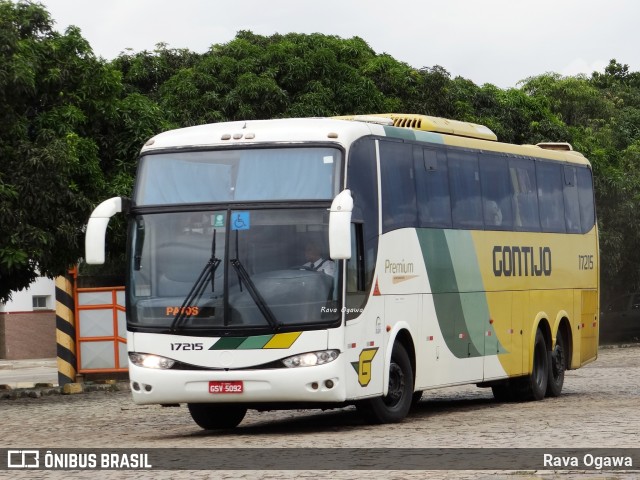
214, 176
226, 269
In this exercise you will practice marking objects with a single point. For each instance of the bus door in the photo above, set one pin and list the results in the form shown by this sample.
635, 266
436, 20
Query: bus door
364, 350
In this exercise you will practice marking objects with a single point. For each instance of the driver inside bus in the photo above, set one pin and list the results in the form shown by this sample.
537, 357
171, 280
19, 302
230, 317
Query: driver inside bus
316, 261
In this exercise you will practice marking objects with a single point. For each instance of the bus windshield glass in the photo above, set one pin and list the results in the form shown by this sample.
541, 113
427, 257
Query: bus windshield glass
223, 269
218, 176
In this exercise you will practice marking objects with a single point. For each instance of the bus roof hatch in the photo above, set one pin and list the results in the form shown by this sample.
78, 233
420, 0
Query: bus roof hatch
441, 125
431, 124
560, 146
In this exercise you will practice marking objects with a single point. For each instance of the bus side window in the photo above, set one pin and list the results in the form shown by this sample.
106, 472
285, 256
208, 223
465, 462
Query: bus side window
356, 297
585, 195
432, 187
496, 192
571, 203
464, 185
398, 186
550, 197
525, 198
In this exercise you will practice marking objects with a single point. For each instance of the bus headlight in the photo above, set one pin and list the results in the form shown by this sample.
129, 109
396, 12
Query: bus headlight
311, 358
150, 361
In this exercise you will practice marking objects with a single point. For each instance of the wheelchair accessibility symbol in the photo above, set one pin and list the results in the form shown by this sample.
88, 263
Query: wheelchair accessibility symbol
240, 221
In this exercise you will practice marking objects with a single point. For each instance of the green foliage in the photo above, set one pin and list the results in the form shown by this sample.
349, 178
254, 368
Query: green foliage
255, 77
48, 164
55, 102
602, 114
71, 124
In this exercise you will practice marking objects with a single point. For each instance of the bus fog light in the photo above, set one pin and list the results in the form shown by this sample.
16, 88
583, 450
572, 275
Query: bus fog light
328, 384
150, 361
311, 358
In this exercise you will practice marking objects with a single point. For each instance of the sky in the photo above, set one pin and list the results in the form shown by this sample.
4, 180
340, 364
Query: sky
491, 41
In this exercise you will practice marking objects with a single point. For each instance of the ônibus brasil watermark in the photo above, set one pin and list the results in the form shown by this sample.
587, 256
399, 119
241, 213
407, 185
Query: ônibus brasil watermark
600, 459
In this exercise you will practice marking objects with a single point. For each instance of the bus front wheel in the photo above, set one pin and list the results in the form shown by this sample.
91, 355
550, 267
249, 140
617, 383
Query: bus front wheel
212, 416
395, 405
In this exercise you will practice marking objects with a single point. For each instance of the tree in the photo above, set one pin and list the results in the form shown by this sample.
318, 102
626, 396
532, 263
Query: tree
433, 93
293, 75
602, 117
575, 100
144, 72
54, 94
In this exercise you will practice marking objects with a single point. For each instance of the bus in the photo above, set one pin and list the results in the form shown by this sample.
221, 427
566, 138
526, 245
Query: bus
454, 259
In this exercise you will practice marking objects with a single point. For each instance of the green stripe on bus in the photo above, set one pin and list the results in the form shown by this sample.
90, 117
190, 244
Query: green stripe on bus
466, 269
256, 342
397, 132
437, 260
444, 287
410, 134
464, 260
458, 291
430, 137
228, 343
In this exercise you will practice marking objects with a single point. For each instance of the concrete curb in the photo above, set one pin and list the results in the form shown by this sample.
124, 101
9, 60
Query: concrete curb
45, 390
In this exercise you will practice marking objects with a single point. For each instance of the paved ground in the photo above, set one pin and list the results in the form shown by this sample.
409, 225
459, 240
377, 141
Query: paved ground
599, 408
26, 373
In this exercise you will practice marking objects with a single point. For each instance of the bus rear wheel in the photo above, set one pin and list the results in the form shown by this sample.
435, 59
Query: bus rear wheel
395, 405
534, 386
557, 367
213, 416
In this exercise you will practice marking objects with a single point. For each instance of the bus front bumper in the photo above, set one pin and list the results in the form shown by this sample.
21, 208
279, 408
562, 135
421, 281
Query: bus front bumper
321, 383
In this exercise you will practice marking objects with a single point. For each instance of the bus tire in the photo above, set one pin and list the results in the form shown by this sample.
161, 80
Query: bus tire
394, 406
557, 367
213, 416
534, 386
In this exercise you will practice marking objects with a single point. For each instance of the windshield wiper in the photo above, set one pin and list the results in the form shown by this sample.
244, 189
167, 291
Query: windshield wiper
255, 294
207, 273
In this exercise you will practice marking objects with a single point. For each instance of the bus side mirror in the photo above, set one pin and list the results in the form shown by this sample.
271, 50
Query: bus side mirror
340, 226
94, 240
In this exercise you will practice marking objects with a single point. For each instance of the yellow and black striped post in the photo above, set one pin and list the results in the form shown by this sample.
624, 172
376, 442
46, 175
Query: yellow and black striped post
65, 331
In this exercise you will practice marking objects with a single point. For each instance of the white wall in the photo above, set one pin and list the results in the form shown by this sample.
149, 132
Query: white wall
22, 301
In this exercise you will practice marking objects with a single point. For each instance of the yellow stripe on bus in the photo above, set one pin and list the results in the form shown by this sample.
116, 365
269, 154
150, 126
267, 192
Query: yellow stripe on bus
282, 340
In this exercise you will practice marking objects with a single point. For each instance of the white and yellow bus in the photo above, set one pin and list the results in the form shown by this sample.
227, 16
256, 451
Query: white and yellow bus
317, 263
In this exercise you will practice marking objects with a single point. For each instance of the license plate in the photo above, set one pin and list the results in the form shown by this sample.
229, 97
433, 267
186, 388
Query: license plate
235, 386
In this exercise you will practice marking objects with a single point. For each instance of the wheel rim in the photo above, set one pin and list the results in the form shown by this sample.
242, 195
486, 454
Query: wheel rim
396, 386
